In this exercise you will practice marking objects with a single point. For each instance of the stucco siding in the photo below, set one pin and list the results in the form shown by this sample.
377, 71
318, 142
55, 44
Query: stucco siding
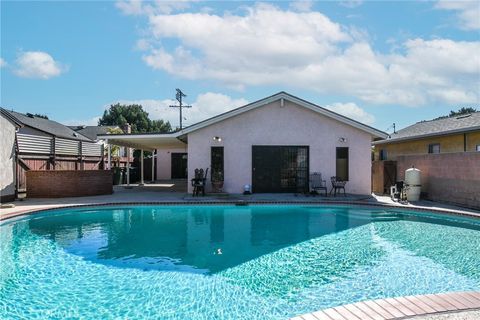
164, 162
7, 158
448, 144
292, 125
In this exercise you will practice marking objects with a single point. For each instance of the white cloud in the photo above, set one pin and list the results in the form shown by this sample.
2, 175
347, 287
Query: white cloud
310, 51
302, 5
351, 3
206, 105
86, 122
351, 110
139, 7
37, 64
468, 12
3, 63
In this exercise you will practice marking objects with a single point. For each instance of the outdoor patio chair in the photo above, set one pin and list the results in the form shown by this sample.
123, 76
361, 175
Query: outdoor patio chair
316, 183
337, 184
199, 182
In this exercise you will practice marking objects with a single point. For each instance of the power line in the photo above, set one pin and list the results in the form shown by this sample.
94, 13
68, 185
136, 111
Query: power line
179, 97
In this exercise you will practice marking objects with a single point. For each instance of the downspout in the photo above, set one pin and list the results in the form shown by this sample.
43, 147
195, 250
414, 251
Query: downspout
464, 142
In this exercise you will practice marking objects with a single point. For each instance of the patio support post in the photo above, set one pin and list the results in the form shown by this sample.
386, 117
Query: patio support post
109, 151
153, 166
141, 167
128, 167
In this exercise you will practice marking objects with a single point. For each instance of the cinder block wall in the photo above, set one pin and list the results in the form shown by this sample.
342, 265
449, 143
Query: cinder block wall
68, 183
447, 177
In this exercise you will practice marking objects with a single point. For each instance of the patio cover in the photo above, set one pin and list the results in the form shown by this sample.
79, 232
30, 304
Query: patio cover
143, 141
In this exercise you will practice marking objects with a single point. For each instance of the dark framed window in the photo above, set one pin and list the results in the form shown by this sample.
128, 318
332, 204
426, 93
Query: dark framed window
342, 163
383, 154
216, 164
434, 148
280, 168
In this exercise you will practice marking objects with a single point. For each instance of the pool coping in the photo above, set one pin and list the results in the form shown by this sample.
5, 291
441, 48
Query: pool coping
407, 307
469, 214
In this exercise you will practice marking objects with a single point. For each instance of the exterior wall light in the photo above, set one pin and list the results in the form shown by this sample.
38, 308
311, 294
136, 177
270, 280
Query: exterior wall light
342, 139
217, 139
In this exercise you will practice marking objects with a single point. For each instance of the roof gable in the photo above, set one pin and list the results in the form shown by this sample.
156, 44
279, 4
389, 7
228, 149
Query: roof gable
48, 126
284, 96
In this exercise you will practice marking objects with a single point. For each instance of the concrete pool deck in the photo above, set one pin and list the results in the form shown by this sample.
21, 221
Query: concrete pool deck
167, 192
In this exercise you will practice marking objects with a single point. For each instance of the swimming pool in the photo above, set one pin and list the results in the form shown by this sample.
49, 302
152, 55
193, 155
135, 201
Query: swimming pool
227, 262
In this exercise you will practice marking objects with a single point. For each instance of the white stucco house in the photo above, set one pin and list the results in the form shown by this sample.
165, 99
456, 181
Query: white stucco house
271, 144
8, 128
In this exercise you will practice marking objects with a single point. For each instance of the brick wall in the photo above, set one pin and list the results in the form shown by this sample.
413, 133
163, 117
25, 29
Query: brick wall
68, 183
447, 177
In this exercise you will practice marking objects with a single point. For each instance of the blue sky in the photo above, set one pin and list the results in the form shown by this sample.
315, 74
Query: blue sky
376, 61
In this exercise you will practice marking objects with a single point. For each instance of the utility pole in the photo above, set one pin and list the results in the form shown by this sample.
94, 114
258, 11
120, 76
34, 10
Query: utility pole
179, 97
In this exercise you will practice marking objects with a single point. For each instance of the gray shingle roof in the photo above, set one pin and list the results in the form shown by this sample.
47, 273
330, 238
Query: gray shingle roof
92, 132
449, 125
48, 126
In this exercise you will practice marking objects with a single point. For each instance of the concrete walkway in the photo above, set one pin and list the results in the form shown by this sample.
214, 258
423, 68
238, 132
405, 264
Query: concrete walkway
168, 192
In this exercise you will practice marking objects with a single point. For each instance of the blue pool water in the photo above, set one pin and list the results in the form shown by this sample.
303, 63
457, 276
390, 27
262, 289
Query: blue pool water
226, 262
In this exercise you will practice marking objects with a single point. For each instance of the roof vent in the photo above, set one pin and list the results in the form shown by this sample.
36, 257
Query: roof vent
463, 116
75, 134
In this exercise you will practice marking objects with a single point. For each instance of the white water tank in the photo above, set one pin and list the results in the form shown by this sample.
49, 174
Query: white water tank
413, 183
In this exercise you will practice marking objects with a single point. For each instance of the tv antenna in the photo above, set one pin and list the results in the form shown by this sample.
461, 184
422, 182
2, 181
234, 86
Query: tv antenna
179, 97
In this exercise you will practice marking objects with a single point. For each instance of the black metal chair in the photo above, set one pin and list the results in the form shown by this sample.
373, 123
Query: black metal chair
337, 184
316, 183
199, 182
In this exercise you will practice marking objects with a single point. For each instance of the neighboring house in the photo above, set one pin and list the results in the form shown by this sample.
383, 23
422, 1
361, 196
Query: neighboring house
272, 144
43, 144
92, 132
454, 134
447, 151
8, 128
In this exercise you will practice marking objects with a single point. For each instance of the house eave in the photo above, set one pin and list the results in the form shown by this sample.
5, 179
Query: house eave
428, 135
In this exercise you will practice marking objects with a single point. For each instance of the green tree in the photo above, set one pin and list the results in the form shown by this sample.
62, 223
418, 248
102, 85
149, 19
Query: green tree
38, 115
461, 111
160, 126
134, 115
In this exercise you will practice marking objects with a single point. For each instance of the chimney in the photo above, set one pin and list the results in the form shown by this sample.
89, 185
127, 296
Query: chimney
127, 128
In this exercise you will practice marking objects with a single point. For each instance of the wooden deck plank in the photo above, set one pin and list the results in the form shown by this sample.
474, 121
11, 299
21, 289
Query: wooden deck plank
356, 311
347, 314
308, 316
470, 303
410, 305
439, 300
391, 309
332, 313
384, 313
418, 302
372, 313
399, 307
452, 301
468, 297
475, 295
433, 303
320, 315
